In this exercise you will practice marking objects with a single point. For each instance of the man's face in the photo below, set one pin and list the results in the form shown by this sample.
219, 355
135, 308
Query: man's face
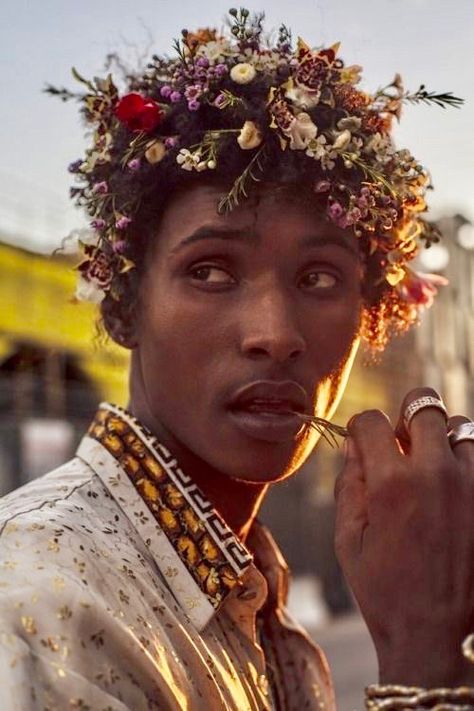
270, 292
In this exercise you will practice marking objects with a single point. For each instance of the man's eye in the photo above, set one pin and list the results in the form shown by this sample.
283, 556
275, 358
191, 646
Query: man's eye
318, 280
210, 274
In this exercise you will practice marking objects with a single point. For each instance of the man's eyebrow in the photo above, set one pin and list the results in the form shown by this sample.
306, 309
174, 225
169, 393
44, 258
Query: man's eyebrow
213, 232
322, 241
243, 235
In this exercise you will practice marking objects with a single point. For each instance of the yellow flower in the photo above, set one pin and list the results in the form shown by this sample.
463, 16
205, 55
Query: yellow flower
155, 152
250, 136
242, 73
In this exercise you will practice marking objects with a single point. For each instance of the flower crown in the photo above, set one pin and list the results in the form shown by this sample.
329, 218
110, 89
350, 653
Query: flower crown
270, 102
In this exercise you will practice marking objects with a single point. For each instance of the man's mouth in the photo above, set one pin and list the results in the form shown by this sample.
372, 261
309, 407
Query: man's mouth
267, 405
267, 410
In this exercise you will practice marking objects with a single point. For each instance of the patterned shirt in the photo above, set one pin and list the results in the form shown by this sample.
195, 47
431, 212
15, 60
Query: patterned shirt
121, 587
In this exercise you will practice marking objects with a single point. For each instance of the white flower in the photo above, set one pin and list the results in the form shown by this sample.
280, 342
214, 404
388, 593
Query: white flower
155, 152
303, 98
242, 73
214, 51
191, 161
88, 290
351, 123
317, 148
342, 141
70, 244
250, 136
187, 160
301, 131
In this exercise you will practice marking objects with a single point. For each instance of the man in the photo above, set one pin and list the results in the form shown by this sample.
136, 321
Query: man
136, 576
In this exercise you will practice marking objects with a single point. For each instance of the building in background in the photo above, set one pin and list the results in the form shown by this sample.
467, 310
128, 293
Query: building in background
445, 339
53, 368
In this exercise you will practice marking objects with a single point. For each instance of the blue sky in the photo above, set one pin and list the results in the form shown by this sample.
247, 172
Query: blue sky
427, 41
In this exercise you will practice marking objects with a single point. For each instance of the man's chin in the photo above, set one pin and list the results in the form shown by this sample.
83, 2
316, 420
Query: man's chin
269, 463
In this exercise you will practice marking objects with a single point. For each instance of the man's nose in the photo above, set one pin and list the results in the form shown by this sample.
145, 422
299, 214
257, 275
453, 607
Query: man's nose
270, 328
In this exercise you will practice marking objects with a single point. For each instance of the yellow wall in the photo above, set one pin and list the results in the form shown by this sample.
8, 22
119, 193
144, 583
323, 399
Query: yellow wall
36, 307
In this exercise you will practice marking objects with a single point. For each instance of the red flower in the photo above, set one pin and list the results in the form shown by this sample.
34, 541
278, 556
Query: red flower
139, 114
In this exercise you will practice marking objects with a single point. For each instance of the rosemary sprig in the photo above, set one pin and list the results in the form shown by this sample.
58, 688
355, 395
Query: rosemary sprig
326, 429
229, 100
62, 93
239, 188
370, 172
427, 97
179, 49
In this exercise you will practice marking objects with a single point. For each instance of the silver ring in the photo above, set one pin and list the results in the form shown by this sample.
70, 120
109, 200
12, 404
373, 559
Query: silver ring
468, 647
461, 433
422, 403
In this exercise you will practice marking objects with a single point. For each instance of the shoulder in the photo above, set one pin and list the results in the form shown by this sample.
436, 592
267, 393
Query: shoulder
62, 530
44, 492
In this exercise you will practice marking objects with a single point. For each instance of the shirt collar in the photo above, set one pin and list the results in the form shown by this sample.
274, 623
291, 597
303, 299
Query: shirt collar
199, 556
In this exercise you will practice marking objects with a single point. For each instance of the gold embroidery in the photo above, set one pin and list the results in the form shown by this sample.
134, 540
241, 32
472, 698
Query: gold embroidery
180, 522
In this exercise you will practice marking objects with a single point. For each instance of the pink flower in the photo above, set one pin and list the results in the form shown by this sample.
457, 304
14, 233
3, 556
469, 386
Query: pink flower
322, 186
420, 289
123, 222
100, 188
335, 211
134, 164
171, 142
98, 224
193, 92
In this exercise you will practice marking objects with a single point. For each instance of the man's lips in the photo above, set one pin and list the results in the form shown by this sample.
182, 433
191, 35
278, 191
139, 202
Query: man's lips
265, 410
270, 396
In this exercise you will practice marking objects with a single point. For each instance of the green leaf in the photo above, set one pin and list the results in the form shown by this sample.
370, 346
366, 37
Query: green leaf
81, 80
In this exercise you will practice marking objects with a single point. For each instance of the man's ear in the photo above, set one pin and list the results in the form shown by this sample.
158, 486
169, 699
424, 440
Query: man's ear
120, 322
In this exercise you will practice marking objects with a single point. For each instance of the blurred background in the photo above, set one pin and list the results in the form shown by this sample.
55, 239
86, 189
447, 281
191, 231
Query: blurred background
54, 367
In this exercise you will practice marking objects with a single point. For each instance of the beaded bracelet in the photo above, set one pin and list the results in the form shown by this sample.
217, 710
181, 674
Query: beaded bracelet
398, 698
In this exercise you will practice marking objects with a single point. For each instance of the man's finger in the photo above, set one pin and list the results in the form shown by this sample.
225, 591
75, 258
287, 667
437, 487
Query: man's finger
426, 431
351, 506
463, 451
376, 444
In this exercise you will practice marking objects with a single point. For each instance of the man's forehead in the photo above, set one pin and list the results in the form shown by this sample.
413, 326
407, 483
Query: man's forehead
193, 217
197, 207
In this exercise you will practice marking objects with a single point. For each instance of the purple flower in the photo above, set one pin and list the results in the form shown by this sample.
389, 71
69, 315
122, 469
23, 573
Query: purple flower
98, 224
219, 101
166, 91
171, 142
134, 164
175, 96
193, 105
74, 167
123, 222
100, 188
119, 247
221, 70
335, 211
202, 62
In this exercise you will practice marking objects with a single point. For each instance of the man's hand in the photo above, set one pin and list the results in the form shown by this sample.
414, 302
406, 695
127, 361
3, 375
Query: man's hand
405, 540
